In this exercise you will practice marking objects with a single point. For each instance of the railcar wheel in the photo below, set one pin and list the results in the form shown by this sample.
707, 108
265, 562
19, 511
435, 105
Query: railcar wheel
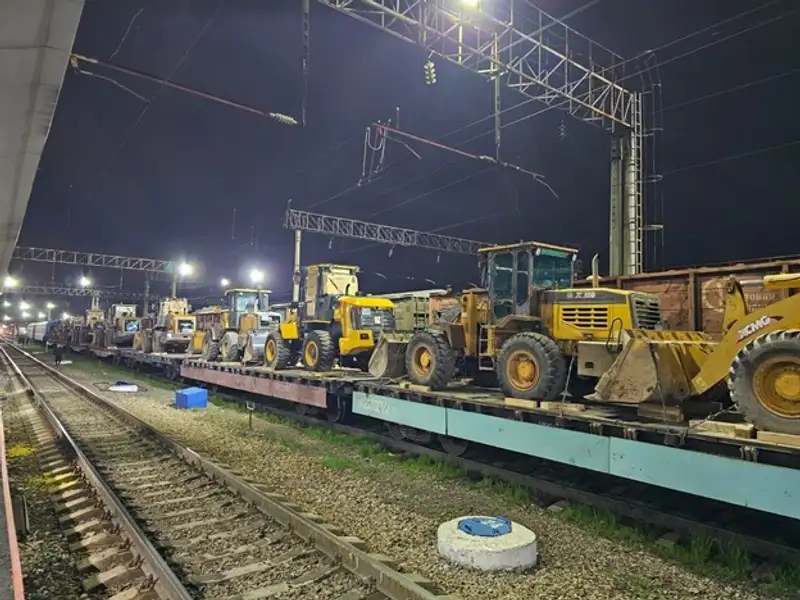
337, 411
277, 352
318, 351
429, 360
531, 366
453, 446
764, 381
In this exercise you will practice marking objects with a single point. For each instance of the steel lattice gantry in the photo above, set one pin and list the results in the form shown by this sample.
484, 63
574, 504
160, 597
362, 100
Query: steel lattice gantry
299, 220
516, 44
69, 257
55, 290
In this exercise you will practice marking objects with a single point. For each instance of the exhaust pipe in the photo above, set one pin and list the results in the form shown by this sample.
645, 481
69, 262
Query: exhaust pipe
596, 271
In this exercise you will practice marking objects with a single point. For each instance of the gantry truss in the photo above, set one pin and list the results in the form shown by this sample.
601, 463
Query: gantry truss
55, 290
513, 43
90, 259
532, 52
300, 220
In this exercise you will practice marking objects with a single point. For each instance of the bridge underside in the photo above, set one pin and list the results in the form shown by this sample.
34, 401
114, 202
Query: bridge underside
36, 37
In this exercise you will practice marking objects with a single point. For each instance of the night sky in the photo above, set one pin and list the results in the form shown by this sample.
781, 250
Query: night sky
167, 186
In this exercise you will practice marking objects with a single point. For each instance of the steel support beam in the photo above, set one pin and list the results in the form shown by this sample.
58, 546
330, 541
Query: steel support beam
90, 259
300, 220
56, 290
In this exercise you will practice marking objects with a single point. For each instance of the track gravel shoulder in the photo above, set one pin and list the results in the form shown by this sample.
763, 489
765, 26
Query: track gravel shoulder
397, 511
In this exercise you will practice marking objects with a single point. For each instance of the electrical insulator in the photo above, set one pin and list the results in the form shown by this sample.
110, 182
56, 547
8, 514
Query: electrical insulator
283, 119
562, 129
430, 72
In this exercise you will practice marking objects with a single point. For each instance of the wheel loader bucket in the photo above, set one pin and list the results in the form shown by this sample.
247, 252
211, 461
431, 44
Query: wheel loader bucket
389, 357
254, 347
654, 366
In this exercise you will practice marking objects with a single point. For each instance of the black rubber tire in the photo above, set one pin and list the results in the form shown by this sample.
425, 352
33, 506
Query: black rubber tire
213, 352
443, 368
740, 379
550, 362
283, 353
326, 353
231, 353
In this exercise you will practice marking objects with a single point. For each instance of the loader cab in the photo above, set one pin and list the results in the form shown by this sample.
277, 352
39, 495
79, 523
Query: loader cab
322, 288
247, 308
513, 273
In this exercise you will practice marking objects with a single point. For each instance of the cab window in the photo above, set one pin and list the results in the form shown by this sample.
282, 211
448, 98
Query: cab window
503, 274
552, 271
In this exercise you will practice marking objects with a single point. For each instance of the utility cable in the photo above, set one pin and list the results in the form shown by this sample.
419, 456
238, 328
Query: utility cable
143, 112
733, 157
730, 90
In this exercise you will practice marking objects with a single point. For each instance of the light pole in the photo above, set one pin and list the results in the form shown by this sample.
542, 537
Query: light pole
184, 270
49, 306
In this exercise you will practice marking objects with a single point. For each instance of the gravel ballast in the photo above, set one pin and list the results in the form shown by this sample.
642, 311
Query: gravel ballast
397, 511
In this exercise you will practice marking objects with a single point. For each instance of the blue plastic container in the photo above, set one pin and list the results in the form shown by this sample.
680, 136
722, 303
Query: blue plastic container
193, 397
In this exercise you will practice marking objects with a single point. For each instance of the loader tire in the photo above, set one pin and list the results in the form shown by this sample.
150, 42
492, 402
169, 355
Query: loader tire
318, 351
277, 352
229, 349
531, 366
430, 360
764, 381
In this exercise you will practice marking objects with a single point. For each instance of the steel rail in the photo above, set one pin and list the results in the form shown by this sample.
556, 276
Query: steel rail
346, 549
16, 580
635, 511
165, 582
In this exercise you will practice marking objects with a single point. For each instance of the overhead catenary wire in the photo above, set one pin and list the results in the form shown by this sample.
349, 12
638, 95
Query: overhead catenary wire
733, 157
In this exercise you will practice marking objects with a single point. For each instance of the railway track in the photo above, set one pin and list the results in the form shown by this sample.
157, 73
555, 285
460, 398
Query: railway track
771, 538
178, 525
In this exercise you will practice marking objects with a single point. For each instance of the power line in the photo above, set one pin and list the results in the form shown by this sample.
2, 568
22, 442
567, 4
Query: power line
733, 157
736, 88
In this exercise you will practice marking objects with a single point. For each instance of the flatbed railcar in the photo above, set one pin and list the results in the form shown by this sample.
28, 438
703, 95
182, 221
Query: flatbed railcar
728, 463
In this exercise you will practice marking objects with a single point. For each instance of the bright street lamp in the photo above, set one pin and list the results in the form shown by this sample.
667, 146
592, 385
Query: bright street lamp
50, 306
25, 314
6, 318
256, 276
24, 305
185, 269
65, 316
10, 282
6, 303
42, 315
85, 281
224, 282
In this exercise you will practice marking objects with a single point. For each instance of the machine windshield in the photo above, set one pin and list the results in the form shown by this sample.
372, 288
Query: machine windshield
185, 326
552, 269
245, 302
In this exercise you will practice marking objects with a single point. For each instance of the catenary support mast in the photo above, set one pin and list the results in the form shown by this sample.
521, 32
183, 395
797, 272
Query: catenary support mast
543, 59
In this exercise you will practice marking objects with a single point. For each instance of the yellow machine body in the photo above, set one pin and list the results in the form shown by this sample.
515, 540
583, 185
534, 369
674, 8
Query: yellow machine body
673, 366
330, 321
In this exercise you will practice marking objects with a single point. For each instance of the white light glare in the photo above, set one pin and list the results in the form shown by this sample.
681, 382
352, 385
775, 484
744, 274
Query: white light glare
85, 282
24, 305
256, 276
49, 306
6, 318
25, 314
42, 315
6, 303
224, 282
65, 316
471, 3
185, 269
10, 282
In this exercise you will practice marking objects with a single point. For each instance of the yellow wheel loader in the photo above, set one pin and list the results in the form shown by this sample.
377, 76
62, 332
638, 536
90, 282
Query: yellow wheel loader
228, 332
523, 329
331, 323
172, 328
757, 359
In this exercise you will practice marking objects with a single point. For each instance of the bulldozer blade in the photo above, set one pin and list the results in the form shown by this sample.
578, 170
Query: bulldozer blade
389, 358
654, 366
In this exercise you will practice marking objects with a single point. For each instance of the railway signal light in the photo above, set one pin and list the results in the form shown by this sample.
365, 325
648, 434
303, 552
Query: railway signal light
430, 72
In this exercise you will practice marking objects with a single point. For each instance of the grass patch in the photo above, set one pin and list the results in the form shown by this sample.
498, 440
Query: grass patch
338, 462
44, 482
19, 451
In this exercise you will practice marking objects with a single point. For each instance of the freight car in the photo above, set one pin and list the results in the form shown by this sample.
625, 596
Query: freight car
37, 332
